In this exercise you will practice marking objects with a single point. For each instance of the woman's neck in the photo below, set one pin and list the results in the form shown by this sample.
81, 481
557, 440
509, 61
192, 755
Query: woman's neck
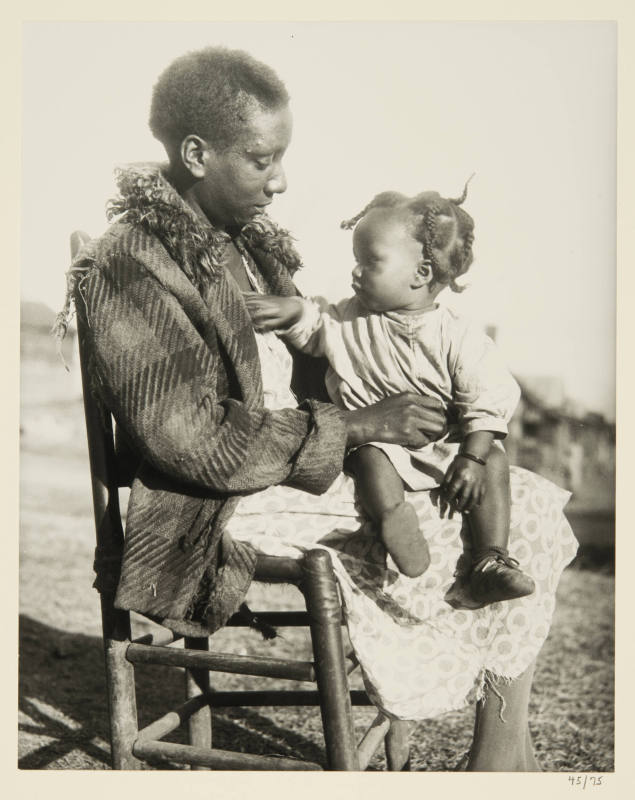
184, 184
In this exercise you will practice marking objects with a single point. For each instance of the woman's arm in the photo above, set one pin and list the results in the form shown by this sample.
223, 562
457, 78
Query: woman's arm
159, 376
407, 419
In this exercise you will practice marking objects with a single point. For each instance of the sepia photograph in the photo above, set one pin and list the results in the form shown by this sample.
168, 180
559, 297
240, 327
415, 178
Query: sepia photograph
318, 397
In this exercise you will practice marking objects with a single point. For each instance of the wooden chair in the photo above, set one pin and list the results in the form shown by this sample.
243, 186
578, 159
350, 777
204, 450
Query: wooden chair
312, 574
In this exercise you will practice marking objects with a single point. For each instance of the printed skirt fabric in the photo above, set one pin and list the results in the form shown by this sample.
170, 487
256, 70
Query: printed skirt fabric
419, 656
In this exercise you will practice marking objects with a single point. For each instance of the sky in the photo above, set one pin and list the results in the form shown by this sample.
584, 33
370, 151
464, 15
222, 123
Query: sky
530, 108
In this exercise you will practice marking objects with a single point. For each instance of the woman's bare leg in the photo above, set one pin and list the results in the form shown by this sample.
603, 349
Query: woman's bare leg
530, 756
504, 746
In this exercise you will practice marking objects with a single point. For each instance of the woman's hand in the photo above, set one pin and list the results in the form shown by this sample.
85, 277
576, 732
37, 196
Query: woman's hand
269, 312
406, 419
464, 484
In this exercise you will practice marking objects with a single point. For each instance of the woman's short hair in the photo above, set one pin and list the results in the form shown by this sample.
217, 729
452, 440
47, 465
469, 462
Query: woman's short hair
209, 93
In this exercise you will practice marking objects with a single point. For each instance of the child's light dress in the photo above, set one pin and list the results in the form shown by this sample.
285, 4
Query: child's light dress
432, 353
418, 655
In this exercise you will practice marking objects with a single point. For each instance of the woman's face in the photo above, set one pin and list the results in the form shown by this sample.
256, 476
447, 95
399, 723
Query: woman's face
239, 182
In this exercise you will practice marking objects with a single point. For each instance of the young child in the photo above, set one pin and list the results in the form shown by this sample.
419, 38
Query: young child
393, 337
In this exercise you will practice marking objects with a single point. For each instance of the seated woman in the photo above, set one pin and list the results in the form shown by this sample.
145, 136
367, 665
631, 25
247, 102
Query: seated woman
175, 358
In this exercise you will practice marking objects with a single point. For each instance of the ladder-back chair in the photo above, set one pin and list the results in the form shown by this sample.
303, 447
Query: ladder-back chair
312, 574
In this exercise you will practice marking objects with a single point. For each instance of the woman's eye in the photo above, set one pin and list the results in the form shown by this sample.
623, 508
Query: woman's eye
262, 163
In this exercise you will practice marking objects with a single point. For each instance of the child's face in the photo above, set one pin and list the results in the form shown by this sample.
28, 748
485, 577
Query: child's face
387, 259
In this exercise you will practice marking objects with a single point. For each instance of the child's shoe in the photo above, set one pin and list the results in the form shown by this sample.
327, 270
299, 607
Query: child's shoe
399, 531
497, 576
493, 576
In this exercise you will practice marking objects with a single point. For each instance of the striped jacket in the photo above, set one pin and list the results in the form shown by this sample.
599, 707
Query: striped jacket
178, 367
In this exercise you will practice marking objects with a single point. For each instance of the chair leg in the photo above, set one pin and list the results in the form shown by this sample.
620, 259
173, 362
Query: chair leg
197, 681
120, 682
325, 614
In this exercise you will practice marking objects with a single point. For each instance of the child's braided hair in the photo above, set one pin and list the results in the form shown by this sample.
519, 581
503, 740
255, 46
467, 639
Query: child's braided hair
445, 230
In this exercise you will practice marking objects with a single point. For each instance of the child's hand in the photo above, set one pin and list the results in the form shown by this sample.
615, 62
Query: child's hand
464, 484
268, 312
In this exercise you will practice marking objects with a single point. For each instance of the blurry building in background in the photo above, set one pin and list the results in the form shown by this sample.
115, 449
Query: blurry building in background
557, 439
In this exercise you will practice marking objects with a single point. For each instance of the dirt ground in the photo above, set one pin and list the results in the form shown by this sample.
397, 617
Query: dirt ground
63, 721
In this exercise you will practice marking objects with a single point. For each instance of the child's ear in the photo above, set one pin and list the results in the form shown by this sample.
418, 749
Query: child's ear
423, 275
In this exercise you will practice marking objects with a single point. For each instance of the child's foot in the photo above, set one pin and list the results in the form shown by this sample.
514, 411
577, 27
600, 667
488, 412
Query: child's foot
399, 531
496, 576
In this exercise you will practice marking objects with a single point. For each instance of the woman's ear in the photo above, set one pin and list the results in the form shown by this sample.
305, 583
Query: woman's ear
194, 155
423, 274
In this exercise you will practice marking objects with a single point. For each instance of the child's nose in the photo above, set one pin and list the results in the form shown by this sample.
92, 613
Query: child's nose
357, 271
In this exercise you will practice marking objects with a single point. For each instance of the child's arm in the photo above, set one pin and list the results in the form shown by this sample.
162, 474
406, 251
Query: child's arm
269, 312
378, 484
485, 394
310, 325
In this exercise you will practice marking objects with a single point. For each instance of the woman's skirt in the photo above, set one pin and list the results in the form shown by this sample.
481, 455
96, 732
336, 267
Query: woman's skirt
419, 656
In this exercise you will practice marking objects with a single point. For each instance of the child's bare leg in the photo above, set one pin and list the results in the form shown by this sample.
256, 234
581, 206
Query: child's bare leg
493, 578
381, 493
489, 521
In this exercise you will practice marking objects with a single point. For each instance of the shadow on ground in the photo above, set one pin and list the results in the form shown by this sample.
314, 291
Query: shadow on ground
62, 702
596, 558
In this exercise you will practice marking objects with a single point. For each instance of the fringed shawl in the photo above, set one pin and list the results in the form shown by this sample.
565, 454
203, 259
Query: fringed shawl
148, 200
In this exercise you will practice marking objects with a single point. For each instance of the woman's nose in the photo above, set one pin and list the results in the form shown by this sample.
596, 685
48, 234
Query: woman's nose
277, 183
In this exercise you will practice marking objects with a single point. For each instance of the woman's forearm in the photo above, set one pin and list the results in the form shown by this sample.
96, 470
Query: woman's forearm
357, 429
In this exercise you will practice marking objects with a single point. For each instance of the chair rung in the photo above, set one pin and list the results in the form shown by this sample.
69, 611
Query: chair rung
170, 722
277, 569
279, 618
371, 740
351, 662
216, 759
160, 639
221, 662
278, 697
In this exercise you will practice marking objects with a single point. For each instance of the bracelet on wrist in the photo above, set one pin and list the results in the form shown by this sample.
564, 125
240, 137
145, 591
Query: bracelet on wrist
472, 457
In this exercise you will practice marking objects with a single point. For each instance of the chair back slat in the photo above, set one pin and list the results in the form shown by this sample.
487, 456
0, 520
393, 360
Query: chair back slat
103, 461
101, 448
